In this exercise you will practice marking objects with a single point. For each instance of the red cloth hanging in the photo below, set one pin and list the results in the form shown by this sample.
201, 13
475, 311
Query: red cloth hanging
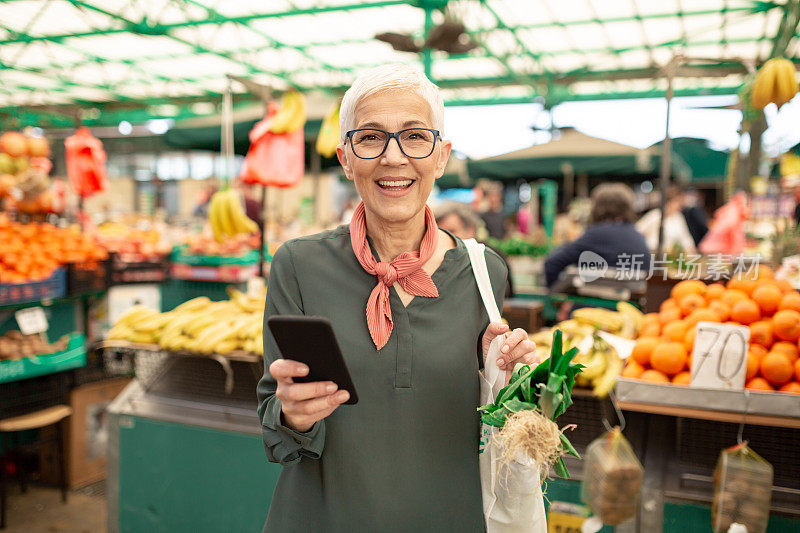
86, 163
275, 160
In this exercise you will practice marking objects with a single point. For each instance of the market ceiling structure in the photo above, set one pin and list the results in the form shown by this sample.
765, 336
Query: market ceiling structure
102, 61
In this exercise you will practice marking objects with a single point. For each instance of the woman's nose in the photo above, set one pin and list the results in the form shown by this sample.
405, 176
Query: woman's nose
393, 155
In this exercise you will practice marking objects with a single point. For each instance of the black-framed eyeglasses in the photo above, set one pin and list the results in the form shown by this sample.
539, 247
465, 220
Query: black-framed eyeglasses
369, 143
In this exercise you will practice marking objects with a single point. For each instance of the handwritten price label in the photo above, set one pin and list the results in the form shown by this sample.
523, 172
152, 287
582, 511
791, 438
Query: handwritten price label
719, 358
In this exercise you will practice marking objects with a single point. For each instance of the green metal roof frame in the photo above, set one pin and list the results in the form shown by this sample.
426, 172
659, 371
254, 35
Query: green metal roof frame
522, 62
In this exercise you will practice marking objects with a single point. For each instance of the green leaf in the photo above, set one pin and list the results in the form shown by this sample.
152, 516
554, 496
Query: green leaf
567, 446
487, 419
514, 405
527, 390
514, 387
555, 351
561, 468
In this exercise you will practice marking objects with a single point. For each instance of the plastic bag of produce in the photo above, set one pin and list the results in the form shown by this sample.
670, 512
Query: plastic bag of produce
86, 163
275, 160
512, 495
742, 490
612, 478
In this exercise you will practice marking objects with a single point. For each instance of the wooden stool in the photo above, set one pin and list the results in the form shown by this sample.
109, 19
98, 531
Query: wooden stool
36, 420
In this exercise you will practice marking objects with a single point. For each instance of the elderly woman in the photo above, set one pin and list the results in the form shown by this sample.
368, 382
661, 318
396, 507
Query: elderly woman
405, 308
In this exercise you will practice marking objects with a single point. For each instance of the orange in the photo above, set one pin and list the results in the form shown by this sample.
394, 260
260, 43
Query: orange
753, 364
715, 291
650, 318
784, 285
654, 376
675, 331
669, 357
786, 324
688, 339
747, 286
759, 384
671, 314
768, 297
702, 315
689, 286
731, 296
684, 378
797, 370
650, 330
792, 386
776, 369
765, 272
786, 348
722, 309
643, 349
690, 302
790, 300
758, 351
761, 333
666, 304
632, 370
745, 311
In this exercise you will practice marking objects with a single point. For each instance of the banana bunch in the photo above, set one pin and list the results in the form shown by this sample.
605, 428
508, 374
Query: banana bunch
227, 216
602, 364
291, 114
776, 81
199, 325
329, 134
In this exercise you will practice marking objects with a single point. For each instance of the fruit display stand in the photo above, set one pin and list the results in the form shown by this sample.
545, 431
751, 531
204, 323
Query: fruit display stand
213, 268
74, 356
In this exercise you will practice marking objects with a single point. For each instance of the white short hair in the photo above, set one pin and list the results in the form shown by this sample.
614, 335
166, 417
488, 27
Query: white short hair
388, 78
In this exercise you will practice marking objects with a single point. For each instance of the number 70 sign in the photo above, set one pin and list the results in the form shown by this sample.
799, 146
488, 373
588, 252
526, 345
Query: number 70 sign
719, 358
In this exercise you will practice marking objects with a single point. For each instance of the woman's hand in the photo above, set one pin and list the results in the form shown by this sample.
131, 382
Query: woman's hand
303, 404
517, 348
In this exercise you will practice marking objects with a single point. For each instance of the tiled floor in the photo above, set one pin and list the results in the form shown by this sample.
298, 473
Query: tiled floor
40, 510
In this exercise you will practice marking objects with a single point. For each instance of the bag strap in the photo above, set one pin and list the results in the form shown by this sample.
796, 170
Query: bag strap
477, 258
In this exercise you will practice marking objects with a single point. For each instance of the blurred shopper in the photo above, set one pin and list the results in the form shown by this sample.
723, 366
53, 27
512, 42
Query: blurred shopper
695, 215
463, 222
402, 299
611, 234
677, 236
493, 217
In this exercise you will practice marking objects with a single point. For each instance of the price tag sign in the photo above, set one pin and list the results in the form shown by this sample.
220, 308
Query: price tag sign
623, 346
719, 358
564, 523
31, 321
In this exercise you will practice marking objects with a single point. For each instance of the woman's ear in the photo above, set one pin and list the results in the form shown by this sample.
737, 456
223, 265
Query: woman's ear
341, 155
444, 155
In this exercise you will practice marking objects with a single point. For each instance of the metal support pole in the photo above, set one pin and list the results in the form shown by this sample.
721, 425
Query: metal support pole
427, 58
263, 221
316, 165
666, 155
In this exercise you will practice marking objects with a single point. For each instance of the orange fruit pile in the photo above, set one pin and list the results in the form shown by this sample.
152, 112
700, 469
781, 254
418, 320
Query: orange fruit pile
769, 307
31, 252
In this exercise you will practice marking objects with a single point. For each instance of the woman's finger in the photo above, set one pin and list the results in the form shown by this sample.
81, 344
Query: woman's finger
296, 392
519, 351
494, 330
286, 369
512, 340
315, 408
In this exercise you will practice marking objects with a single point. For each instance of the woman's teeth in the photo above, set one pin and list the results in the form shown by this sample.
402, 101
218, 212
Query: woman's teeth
395, 184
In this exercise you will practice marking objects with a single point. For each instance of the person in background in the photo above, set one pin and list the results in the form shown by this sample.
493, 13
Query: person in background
493, 217
463, 222
676, 232
611, 234
694, 215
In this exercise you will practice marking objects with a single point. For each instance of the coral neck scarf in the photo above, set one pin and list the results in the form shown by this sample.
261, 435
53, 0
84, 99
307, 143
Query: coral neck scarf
406, 270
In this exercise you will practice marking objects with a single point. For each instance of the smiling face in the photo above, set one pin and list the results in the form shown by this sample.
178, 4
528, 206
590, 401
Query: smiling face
394, 187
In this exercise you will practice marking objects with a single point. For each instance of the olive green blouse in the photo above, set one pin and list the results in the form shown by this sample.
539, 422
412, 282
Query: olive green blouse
405, 458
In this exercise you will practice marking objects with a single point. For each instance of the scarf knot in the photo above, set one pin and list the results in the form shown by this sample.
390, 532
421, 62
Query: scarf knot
386, 273
405, 269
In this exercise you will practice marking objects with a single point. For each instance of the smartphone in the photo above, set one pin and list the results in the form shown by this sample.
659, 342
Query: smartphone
310, 340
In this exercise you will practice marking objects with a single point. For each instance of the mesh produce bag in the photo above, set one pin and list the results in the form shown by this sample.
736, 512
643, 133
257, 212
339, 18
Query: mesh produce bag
742, 490
612, 478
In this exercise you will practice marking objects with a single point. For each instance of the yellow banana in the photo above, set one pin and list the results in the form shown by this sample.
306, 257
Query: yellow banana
214, 213
298, 118
152, 324
135, 314
605, 382
200, 324
764, 85
329, 134
119, 332
239, 219
785, 81
287, 113
604, 319
195, 304
142, 338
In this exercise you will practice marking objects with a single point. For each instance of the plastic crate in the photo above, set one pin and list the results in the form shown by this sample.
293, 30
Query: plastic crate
35, 291
124, 272
28, 395
89, 276
74, 356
